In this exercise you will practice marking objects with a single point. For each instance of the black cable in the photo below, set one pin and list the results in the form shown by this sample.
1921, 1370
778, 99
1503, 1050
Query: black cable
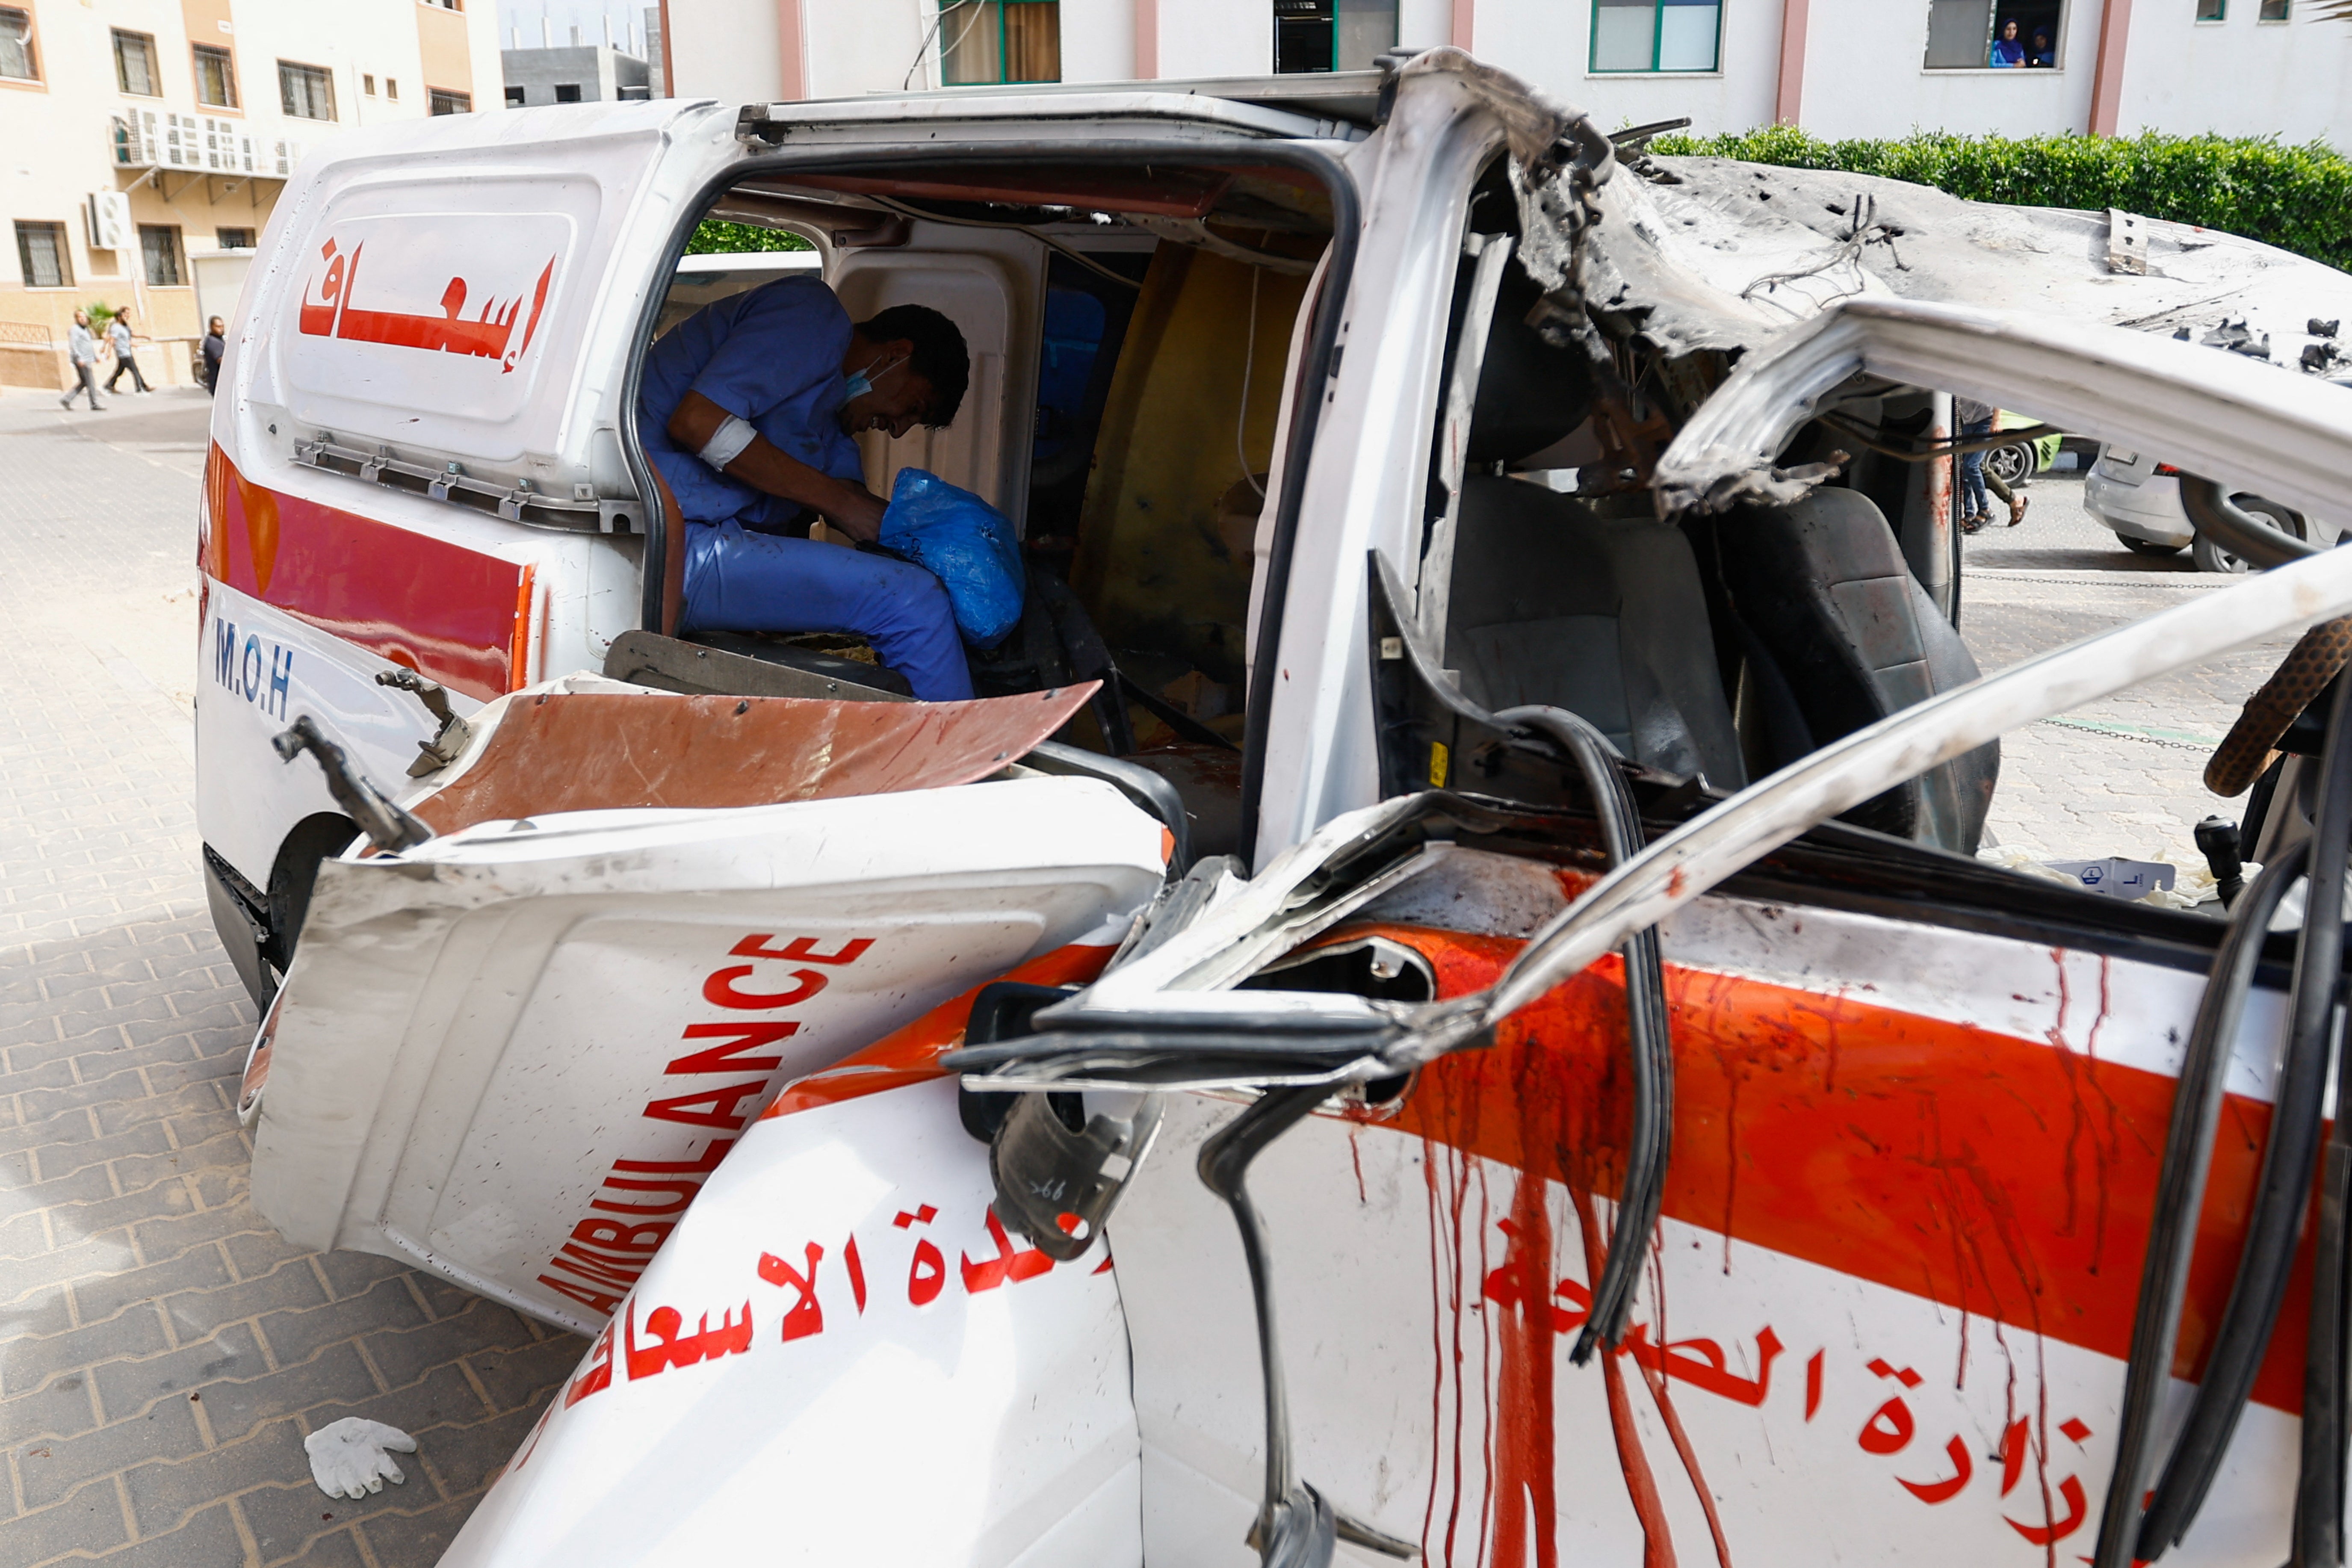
2283, 1190
1289, 1511
2180, 1197
1652, 1140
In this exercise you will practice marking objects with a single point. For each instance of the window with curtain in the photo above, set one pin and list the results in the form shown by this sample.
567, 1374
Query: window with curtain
134, 65
216, 77
159, 248
2212, 10
306, 92
1657, 35
2274, 10
41, 252
17, 44
983, 41
1976, 35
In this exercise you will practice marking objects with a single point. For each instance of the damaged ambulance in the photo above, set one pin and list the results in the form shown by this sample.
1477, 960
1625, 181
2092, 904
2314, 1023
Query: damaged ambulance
1437, 1003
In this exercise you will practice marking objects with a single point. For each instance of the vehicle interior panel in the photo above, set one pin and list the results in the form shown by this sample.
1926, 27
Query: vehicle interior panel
1142, 382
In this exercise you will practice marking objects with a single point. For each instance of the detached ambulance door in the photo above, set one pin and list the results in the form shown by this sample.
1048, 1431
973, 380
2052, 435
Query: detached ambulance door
992, 284
511, 1054
418, 460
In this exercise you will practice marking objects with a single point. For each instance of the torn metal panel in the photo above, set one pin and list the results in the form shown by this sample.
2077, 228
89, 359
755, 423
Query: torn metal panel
1735, 252
594, 751
2219, 414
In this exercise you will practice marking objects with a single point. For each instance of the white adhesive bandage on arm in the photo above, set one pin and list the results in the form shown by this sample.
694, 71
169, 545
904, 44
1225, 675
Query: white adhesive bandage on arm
728, 443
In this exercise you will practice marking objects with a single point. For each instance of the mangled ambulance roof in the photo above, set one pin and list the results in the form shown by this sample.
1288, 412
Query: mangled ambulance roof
1715, 254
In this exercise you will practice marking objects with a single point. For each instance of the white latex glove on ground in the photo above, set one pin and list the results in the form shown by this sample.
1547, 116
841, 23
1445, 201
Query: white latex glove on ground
352, 1458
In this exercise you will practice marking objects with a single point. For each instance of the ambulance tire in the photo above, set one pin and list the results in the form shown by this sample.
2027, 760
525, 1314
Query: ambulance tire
295, 872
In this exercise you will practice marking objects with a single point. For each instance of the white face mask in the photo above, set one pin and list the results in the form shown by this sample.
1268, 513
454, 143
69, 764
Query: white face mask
861, 382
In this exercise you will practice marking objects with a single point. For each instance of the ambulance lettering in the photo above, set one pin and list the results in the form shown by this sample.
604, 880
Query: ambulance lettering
639, 1200
262, 673
327, 312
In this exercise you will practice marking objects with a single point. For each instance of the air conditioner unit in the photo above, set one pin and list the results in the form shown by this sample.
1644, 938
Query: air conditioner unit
228, 151
182, 143
138, 139
109, 220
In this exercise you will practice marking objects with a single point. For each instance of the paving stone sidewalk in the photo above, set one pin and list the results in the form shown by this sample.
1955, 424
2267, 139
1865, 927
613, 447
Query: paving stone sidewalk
163, 1352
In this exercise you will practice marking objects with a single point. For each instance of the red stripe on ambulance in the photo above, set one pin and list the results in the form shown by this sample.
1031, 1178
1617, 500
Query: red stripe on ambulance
453, 614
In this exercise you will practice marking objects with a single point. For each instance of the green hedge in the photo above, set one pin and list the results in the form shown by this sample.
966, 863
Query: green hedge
712, 237
2297, 198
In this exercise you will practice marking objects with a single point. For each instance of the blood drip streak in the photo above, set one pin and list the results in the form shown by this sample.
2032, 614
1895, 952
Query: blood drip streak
1689, 1457
1525, 1464
1430, 1149
1641, 1487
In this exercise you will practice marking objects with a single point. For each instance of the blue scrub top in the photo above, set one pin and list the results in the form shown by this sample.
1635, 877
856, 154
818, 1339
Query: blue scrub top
771, 356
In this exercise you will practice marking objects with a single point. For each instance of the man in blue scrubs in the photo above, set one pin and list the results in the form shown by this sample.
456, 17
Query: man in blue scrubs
747, 408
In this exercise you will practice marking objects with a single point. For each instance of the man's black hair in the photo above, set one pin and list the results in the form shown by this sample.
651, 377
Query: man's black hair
940, 356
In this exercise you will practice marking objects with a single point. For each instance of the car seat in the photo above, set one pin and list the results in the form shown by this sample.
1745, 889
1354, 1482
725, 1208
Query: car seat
1838, 635
1555, 602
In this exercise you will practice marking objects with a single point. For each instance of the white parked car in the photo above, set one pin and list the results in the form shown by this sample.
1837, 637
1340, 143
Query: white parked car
2139, 498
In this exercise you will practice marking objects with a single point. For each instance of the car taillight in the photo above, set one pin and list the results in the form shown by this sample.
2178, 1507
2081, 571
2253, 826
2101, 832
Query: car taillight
2166, 471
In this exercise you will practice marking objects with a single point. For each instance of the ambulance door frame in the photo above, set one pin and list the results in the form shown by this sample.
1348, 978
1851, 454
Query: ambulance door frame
1319, 368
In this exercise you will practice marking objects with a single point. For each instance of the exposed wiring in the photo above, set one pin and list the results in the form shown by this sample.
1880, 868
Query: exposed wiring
1249, 357
923, 49
1048, 240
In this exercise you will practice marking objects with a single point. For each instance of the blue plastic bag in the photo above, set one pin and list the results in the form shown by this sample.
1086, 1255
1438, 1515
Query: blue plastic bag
963, 542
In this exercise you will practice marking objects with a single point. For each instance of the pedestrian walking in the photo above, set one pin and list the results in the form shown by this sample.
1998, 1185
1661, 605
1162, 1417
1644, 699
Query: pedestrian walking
1976, 421
119, 334
81, 348
215, 344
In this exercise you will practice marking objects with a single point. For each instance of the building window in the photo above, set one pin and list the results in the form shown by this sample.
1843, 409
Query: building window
41, 252
1656, 35
1972, 35
134, 65
514, 98
567, 92
446, 4
1000, 40
233, 238
306, 92
2212, 10
452, 102
2274, 10
1332, 35
159, 250
216, 77
392, 87
17, 44
367, 86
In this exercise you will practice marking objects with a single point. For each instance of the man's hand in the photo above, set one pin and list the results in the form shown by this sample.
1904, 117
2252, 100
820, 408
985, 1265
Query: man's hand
853, 509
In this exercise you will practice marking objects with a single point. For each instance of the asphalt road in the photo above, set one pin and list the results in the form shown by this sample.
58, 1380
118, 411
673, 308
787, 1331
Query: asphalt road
161, 1350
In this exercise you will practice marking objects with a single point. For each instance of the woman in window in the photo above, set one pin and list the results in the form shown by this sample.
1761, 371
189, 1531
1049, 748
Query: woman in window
2006, 49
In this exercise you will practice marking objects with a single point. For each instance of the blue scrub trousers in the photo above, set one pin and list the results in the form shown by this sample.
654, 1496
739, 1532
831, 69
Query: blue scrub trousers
742, 581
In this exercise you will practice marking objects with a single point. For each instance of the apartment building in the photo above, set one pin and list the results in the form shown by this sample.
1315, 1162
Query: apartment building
146, 141
1839, 68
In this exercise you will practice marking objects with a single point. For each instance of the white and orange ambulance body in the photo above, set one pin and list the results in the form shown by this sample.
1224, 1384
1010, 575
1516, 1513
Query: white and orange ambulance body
650, 1019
